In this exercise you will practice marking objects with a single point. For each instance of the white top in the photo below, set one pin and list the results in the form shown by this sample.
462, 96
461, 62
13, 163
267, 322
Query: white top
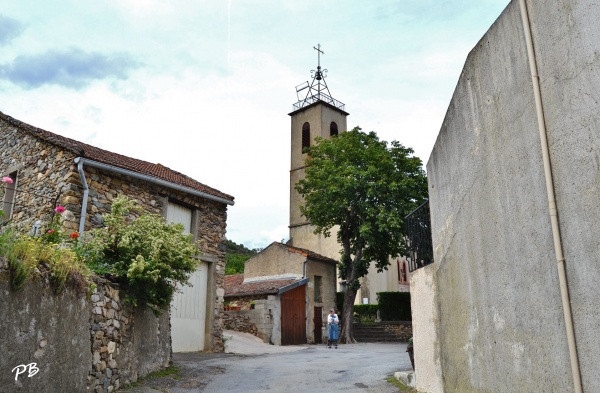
333, 319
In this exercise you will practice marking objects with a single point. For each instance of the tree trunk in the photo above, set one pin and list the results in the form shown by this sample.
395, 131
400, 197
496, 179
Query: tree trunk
347, 335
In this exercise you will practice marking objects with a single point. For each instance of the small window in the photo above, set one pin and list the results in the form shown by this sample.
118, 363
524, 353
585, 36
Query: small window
401, 271
9, 196
318, 289
305, 136
333, 130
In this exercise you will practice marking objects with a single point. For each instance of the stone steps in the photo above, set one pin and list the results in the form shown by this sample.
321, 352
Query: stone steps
382, 332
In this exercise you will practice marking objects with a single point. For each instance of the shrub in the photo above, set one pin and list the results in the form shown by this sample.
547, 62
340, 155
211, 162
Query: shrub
145, 254
394, 306
28, 256
365, 313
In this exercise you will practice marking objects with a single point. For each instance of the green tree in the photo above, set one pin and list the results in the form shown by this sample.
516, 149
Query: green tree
363, 188
235, 257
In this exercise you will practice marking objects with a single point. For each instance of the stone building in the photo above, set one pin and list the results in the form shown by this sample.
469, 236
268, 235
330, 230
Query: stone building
48, 170
286, 293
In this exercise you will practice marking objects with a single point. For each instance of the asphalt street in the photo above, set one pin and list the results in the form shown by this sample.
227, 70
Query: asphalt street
257, 367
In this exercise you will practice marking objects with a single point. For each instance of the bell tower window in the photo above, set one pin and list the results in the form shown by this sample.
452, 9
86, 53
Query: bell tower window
305, 136
333, 129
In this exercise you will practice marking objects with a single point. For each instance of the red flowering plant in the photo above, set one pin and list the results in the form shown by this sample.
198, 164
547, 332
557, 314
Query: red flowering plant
53, 234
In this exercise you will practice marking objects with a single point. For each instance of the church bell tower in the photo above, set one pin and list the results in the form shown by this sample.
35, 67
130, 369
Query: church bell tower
316, 114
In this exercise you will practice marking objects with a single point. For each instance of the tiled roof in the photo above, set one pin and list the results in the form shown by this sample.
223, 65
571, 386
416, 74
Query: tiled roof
307, 253
106, 157
234, 286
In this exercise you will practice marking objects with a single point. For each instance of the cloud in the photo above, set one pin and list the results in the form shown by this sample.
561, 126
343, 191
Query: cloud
9, 29
72, 68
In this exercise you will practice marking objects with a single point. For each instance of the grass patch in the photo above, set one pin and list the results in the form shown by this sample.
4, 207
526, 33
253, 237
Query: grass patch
401, 387
171, 372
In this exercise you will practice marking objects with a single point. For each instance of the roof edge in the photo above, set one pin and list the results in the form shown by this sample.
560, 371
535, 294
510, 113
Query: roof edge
317, 103
151, 179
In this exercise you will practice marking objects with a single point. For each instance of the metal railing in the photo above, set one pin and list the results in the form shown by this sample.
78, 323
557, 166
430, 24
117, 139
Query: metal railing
319, 97
418, 237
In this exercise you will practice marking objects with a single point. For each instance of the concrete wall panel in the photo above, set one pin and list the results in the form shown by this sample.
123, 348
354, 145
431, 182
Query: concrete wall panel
499, 300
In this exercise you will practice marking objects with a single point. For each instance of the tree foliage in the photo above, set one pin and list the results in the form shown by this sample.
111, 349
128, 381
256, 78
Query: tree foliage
235, 257
364, 188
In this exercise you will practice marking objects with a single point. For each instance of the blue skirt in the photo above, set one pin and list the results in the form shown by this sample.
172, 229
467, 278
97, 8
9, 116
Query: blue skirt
333, 331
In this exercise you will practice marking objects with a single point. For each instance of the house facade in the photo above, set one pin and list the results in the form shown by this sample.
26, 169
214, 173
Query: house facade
291, 290
48, 169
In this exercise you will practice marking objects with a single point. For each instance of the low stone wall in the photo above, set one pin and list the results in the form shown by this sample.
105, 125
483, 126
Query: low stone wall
127, 342
240, 322
70, 343
401, 330
258, 321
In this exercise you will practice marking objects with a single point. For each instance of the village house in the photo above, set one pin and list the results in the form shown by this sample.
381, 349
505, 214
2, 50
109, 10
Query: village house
49, 170
283, 295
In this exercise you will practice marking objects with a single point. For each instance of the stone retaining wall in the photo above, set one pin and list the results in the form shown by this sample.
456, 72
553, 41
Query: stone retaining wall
258, 321
77, 344
401, 330
127, 342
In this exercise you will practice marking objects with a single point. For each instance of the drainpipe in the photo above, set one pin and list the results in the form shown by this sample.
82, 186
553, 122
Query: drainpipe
80, 161
553, 211
86, 191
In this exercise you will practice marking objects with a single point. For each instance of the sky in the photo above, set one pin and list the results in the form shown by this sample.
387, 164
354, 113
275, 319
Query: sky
204, 87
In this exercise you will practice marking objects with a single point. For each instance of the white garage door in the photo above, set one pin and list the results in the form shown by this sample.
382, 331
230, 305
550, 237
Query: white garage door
188, 308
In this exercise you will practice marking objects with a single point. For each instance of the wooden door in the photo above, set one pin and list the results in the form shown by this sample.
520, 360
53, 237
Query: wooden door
318, 325
293, 316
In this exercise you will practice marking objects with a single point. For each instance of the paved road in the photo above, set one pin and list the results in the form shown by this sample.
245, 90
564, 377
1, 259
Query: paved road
315, 368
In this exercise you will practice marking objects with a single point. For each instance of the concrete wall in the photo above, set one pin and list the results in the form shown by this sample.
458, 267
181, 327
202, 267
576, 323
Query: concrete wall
501, 318
51, 331
78, 344
425, 327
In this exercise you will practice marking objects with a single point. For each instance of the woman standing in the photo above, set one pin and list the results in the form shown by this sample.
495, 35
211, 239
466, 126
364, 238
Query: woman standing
332, 328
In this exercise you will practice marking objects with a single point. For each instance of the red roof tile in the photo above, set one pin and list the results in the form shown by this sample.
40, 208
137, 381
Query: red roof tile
234, 286
96, 154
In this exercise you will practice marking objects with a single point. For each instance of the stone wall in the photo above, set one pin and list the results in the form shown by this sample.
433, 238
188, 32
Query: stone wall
127, 342
240, 321
400, 330
259, 321
76, 344
46, 172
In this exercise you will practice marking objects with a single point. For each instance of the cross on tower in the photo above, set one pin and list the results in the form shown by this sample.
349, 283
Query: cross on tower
318, 49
